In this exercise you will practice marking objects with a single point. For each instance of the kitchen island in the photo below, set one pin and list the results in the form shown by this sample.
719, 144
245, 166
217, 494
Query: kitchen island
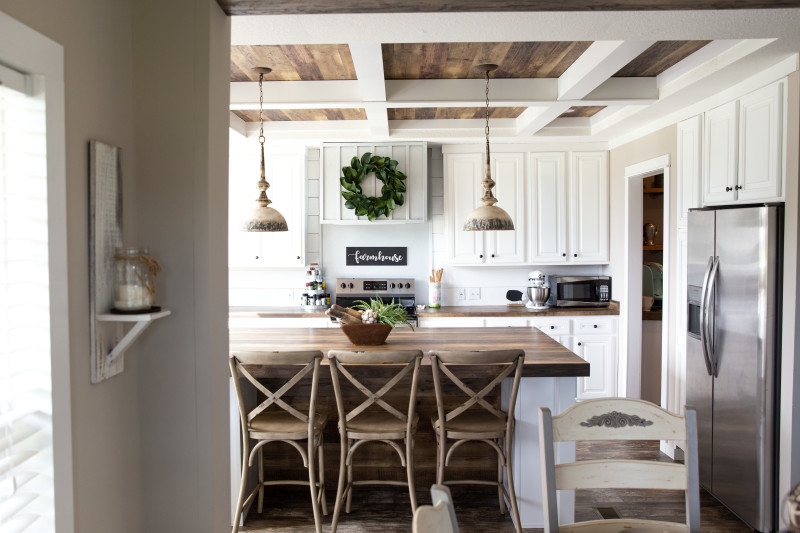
549, 380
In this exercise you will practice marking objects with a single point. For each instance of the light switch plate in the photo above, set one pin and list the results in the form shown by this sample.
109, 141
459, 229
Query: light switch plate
475, 293
461, 293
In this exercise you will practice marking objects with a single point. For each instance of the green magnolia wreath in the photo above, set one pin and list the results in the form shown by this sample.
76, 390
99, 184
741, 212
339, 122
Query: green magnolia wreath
385, 169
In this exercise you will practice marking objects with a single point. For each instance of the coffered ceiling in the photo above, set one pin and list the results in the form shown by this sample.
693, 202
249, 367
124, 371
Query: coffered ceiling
599, 76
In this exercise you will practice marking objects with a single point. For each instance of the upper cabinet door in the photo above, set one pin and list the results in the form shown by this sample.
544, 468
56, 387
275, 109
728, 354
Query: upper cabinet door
589, 208
412, 160
761, 142
690, 148
721, 147
547, 208
508, 173
463, 174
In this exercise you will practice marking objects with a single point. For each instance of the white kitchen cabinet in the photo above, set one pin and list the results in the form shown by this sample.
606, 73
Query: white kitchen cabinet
463, 190
743, 149
452, 322
547, 208
588, 208
412, 160
600, 351
760, 144
285, 173
690, 150
719, 154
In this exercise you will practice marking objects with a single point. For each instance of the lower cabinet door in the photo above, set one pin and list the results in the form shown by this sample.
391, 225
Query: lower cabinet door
600, 352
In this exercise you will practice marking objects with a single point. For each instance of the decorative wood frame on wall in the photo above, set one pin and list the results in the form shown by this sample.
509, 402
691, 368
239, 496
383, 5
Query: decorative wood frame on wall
105, 236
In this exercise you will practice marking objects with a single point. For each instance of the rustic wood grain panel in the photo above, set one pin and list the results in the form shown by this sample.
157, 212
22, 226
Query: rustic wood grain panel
437, 113
284, 7
659, 57
406, 61
302, 62
544, 357
584, 111
283, 115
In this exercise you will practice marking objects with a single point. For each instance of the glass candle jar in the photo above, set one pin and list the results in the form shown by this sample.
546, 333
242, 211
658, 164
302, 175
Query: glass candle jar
135, 283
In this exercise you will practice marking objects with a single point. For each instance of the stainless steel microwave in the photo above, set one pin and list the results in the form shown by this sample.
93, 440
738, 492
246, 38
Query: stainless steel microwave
579, 291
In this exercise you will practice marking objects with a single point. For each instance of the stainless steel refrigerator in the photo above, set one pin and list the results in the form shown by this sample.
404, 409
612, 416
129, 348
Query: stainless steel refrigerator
733, 352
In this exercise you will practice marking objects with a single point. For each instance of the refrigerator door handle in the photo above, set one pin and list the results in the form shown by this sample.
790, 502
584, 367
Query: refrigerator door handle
704, 316
711, 320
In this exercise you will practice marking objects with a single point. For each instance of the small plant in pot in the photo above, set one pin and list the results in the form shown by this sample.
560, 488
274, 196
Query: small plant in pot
377, 320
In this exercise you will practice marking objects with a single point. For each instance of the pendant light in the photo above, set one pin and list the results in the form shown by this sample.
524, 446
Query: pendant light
263, 217
488, 216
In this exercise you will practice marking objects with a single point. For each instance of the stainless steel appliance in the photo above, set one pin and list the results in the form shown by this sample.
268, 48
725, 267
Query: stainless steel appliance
538, 290
732, 354
579, 291
401, 290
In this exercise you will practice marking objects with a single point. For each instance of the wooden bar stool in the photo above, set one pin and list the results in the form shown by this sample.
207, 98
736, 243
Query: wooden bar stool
374, 419
275, 420
476, 419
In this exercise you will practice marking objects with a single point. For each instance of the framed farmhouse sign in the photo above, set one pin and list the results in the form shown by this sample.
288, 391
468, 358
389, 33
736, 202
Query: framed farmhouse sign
376, 255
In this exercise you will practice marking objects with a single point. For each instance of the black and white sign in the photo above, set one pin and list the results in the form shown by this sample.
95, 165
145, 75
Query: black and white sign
368, 256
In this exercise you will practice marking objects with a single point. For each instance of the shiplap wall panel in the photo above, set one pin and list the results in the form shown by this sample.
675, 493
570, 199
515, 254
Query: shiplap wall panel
412, 159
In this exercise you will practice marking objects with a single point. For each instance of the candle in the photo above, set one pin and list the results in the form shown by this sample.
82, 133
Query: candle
132, 297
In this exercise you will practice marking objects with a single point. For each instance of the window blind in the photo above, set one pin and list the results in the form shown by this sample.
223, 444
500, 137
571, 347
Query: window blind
26, 441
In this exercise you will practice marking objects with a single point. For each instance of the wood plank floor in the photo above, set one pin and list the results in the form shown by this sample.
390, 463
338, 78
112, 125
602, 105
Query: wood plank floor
382, 510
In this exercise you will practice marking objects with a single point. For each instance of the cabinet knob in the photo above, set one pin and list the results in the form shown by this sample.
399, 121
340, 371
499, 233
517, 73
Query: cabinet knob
256, 257
579, 344
481, 256
574, 255
552, 327
595, 326
738, 187
298, 257
728, 189
492, 255
564, 255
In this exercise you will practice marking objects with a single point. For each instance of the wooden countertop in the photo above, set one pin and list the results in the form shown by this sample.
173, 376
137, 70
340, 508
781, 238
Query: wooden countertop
544, 357
445, 311
512, 311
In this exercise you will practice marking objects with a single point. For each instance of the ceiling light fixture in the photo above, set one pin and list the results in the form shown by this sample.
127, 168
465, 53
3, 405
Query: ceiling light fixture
263, 217
488, 216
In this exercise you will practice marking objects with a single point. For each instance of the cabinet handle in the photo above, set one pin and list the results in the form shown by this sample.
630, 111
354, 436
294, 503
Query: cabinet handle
564, 255
298, 257
579, 344
595, 326
492, 255
481, 256
728, 189
552, 327
738, 187
574, 255
256, 257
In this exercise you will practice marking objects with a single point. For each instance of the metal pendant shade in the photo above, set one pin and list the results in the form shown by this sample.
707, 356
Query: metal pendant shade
488, 216
263, 217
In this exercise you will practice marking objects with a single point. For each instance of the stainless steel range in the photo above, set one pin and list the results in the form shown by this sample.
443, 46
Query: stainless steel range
401, 290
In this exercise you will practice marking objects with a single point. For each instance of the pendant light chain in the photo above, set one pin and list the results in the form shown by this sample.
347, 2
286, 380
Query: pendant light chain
487, 107
261, 137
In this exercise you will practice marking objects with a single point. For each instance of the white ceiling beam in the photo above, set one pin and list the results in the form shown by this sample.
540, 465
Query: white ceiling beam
297, 94
636, 90
368, 62
378, 119
534, 119
613, 115
596, 65
238, 125
671, 84
507, 91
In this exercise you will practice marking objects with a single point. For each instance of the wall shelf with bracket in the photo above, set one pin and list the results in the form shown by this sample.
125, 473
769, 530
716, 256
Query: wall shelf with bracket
140, 323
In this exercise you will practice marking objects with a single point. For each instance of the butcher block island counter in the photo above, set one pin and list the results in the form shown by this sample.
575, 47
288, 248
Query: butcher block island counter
550, 375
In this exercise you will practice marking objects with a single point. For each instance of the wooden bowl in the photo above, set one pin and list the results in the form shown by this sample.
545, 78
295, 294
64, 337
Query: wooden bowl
366, 334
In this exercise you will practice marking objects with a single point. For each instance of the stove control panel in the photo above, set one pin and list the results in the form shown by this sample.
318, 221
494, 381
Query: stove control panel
372, 287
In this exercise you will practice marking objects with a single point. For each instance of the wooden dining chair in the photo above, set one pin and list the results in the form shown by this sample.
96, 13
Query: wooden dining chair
618, 419
277, 420
439, 517
376, 418
477, 419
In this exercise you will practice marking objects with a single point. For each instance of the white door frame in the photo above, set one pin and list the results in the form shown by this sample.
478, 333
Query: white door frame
630, 364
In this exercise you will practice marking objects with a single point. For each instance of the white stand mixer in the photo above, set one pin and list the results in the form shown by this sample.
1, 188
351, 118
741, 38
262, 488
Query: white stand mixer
538, 290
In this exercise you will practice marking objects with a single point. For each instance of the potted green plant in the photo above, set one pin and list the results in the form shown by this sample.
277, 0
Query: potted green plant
377, 320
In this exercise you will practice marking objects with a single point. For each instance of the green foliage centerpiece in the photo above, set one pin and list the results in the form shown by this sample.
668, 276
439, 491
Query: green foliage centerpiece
377, 320
385, 170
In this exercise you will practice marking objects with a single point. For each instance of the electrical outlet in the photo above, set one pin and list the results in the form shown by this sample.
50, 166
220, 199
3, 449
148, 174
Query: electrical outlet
461, 293
475, 293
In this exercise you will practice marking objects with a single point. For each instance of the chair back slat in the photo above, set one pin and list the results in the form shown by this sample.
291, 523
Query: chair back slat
620, 474
341, 359
240, 360
507, 361
617, 419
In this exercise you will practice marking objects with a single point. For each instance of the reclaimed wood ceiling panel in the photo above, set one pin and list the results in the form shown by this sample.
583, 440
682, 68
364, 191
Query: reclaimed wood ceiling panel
305, 62
659, 57
436, 61
584, 111
286, 115
444, 113
308, 7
